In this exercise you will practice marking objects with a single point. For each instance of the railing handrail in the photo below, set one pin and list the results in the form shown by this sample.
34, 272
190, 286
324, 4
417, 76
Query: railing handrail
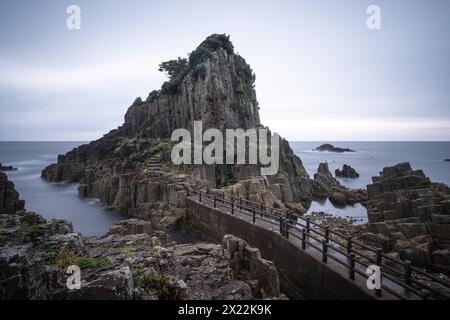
286, 222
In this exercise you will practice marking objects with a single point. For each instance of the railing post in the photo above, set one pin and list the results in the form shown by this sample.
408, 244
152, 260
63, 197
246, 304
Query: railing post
349, 245
199, 196
286, 225
281, 225
215, 201
187, 192
327, 234
407, 275
379, 258
324, 251
352, 266
232, 206
308, 225
303, 239
240, 203
254, 216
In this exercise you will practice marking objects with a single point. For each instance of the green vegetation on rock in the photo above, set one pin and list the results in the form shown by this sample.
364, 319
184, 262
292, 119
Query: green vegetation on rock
177, 69
32, 230
166, 288
67, 258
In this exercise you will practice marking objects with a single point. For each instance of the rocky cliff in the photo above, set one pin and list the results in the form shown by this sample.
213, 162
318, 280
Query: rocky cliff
130, 169
9, 197
132, 261
410, 215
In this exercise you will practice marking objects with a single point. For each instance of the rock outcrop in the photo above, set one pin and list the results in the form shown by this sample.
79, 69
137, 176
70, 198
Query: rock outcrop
216, 85
330, 148
9, 197
326, 186
132, 261
347, 172
410, 215
7, 168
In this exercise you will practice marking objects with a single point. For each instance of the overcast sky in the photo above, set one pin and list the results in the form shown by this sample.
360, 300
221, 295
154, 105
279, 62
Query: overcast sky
320, 73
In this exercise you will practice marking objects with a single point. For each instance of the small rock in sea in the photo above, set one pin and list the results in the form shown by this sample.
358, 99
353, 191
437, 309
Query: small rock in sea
7, 168
347, 172
330, 148
447, 160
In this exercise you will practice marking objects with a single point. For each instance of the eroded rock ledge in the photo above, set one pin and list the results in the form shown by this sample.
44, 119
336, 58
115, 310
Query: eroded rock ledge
132, 261
410, 215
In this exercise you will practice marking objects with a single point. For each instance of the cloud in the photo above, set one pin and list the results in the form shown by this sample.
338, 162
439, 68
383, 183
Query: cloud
362, 129
103, 74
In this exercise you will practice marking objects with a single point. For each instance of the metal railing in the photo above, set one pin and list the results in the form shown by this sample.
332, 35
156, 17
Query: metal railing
398, 277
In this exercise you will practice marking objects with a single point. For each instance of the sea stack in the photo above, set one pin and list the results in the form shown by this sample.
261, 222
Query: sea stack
330, 148
347, 172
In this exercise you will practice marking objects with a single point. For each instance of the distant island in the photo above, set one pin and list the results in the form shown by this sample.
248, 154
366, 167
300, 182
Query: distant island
330, 148
448, 160
7, 168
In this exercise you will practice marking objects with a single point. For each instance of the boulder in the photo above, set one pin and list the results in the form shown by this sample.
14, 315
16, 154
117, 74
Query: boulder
246, 263
130, 227
347, 172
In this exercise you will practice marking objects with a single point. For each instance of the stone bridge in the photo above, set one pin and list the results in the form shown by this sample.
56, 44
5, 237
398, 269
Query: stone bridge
313, 262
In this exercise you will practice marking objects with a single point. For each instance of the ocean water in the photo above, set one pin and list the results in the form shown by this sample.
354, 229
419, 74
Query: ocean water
369, 159
53, 200
61, 201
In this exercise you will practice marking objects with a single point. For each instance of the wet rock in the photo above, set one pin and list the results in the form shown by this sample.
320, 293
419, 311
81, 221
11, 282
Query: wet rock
338, 199
347, 172
325, 185
9, 197
7, 168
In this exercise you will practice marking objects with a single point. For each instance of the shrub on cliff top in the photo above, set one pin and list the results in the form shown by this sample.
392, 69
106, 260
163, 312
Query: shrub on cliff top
177, 69
211, 44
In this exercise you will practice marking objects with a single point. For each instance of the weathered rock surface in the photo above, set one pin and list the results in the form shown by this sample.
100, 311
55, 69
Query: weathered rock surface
347, 172
246, 263
410, 215
9, 197
326, 186
7, 168
120, 169
132, 261
123, 265
330, 148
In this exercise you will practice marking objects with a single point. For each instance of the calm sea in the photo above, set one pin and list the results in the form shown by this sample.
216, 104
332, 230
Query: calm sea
53, 200
369, 159
59, 200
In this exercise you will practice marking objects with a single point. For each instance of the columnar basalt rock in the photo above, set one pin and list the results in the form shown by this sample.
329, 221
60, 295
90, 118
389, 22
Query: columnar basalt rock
246, 264
410, 215
216, 88
9, 197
